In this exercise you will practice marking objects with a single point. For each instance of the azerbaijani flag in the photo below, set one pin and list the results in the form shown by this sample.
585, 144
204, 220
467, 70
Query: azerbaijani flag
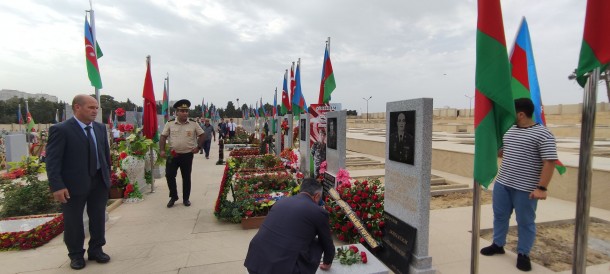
29, 124
165, 105
110, 123
285, 99
149, 119
494, 111
525, 80
298, 101
595, 48
327, 84
292, 84
93, 69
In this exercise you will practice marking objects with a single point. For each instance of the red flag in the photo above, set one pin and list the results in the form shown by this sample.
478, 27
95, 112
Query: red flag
149, 119
293, 84
595, 48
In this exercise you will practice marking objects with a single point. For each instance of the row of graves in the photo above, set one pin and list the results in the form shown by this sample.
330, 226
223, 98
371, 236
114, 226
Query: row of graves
383, 224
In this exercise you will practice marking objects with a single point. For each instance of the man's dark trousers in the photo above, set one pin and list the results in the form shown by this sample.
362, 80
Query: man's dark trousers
206, 147
185, 163
96, 201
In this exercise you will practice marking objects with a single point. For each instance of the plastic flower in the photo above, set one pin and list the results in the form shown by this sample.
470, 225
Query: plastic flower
119, 112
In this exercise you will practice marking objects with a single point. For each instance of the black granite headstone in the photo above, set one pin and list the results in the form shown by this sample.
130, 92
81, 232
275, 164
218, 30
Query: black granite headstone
397, 244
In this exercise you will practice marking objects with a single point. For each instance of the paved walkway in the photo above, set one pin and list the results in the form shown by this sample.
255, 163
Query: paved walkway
147, 237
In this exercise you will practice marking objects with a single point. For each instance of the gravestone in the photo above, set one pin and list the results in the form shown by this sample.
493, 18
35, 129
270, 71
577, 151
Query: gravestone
288, 137
278, 136
69, 113
16, 147
407, 186
335, 145
304, 148
134, 118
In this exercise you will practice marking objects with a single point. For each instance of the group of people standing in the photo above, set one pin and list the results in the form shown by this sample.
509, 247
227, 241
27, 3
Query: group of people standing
295, 237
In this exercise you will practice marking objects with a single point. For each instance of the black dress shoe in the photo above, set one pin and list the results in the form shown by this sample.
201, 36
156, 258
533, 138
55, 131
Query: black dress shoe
171, 202
187, 203
99, 257
77, 263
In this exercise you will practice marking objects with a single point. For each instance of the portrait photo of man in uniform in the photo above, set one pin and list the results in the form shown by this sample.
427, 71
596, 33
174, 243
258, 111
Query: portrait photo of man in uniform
303, 129
401, 140
332, 133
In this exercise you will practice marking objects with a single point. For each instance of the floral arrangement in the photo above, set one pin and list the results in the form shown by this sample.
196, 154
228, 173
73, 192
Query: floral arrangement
256, 183
323, 167
246, 151
28, 166
120, 112
32, 238
290, 159
366, 199
295, 135
350, 255
136, 144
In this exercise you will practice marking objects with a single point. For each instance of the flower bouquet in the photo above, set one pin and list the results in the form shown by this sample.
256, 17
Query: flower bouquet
34, 237
366, 199
350, 255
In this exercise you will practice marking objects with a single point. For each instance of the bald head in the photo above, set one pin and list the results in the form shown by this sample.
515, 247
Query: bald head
85, 108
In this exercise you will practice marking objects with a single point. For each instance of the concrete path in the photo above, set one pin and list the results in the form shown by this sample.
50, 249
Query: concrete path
147, 237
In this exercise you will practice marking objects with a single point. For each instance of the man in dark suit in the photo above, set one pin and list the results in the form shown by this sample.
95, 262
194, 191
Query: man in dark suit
286, 242
78, 168
401, 142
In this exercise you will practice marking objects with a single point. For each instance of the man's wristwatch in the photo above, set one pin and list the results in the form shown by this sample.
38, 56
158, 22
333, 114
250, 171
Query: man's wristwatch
541, 188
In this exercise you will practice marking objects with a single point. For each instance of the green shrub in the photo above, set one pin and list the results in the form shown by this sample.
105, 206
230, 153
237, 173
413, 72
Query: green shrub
30, 199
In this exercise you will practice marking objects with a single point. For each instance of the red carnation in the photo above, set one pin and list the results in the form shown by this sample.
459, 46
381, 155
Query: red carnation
128, 127
350, 224
363, 257
377, 205
375, 197
381, 224
337, 226
353, 248
122, 127
123, 155
358, 213
361, 240
365, 183
356, 199
128, 189
341, 237
344, 228
119, 112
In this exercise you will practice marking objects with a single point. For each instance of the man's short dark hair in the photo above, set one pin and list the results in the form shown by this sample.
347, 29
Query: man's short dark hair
525, 105
311, 186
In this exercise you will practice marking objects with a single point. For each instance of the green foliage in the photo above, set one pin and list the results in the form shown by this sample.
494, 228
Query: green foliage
30, 164
32, 198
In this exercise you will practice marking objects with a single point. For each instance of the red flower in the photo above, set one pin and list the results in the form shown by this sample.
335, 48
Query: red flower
350, 224
337, 226
381, 224
377, 205
128, 127
119, 112
122, 127
249, 213
356, 199
353, 205
361, 240
173, 153
353, 248
363, 257
344, 228
123, 175
128, 189
341, 237
375, 197
358, 213
123, 155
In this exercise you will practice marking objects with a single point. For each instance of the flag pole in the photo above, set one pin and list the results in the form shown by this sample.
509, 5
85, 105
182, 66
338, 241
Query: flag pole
476, 225
583, 203
92, 14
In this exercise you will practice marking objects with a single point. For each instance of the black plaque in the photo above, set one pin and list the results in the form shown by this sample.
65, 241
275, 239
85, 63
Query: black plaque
397, 244
303, 129
331, 138
329, 182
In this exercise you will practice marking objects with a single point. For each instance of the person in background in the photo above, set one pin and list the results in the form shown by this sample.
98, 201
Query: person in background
209, 133
78, 168
293, 236
232, 128
185, 138
222, 128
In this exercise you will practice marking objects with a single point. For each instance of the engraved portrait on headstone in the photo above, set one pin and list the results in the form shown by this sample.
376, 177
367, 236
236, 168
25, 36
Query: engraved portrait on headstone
402, 141
332, 133
303, 129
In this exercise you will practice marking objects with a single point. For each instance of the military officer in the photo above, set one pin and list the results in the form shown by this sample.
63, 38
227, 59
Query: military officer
185, 138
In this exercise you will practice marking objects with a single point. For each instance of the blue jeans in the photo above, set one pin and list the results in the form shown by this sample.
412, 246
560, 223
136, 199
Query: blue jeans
505, 199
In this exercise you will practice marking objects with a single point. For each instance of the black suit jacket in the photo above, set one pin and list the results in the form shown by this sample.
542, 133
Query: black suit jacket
402, 151
286, 242
67, 158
